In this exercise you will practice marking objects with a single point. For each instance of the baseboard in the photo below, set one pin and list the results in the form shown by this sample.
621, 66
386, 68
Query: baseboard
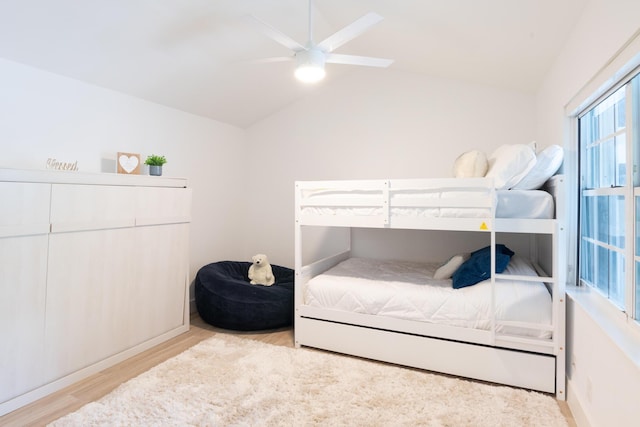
577, 411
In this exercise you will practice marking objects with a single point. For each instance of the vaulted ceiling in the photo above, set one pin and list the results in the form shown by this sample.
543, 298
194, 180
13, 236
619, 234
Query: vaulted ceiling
196, 55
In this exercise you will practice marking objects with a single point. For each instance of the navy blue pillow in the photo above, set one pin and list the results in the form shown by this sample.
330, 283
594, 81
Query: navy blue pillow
478, 267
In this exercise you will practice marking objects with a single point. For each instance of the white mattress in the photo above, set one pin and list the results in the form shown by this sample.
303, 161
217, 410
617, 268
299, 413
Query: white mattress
525, 204
407, 290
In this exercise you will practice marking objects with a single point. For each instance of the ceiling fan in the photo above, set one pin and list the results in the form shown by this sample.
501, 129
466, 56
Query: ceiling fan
311, 58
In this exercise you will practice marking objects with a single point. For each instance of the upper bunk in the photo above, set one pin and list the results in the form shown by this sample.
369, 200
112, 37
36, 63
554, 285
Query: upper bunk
460, 204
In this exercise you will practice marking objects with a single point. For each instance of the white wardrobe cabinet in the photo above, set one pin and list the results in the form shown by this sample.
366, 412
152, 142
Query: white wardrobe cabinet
98, 275
24, 228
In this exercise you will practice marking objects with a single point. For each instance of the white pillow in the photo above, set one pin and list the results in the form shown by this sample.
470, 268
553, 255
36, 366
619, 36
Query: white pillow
470, 164
446, 270
509, 164
547, 164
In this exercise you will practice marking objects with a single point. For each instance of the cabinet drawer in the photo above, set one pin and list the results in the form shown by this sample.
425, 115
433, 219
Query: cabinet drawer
91, 207
24, 209
163, 206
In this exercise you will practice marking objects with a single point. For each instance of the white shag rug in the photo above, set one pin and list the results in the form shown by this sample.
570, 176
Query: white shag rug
231, 381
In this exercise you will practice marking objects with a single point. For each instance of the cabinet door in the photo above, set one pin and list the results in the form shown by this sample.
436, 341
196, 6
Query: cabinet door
90, 271
160, 287
23, 272
162, 245
24, 224
89, 309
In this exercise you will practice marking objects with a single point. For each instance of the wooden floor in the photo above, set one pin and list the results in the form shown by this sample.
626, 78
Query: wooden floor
77, 395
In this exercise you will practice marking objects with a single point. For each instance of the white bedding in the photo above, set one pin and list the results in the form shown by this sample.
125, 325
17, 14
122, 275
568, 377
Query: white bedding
526, 204
407, 290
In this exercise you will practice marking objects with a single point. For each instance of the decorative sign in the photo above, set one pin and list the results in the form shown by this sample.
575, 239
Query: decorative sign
128, 163
62, 166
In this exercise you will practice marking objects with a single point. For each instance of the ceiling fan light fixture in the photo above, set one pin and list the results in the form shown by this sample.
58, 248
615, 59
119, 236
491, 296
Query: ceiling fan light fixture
310, 66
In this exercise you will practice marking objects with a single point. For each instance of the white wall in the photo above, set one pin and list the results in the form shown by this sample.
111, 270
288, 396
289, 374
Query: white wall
43, 115
369, 124
601, 379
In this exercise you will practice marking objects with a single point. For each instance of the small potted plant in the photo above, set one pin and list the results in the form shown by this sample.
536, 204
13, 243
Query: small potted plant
155, 164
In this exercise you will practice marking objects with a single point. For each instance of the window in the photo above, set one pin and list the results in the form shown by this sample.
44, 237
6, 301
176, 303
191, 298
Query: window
609, 249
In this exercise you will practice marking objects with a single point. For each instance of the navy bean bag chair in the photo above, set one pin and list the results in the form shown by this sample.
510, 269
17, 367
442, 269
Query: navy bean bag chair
226, 299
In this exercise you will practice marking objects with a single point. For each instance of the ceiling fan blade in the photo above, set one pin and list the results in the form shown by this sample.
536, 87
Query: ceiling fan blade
276, 34
368, 61
350, 32
272, 59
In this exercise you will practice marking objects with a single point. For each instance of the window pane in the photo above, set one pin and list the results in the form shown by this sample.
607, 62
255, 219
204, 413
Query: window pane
587, 254
602, 270
621, 118
616, 278
593, 165
616, 221
606, 121
608, 163
635, 134
586, 135
620, 160
587, 224
636, 312
603, 219
637, 251
637, 308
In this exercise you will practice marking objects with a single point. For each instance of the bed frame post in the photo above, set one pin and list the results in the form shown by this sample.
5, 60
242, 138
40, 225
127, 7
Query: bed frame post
297, 287
559, 300
492, 267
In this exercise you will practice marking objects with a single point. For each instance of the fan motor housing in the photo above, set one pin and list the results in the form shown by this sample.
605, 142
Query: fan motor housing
310, 65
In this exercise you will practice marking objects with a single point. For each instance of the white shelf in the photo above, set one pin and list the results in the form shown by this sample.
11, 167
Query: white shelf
66, 177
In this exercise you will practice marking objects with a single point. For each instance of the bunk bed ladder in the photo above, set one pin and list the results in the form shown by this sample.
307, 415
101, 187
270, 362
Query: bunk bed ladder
492, 312
492, 231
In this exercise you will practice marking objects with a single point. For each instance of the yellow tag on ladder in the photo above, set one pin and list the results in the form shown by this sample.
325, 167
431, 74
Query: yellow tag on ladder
483, 226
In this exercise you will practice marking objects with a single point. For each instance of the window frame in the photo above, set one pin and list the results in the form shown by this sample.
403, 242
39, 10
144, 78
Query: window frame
629, 192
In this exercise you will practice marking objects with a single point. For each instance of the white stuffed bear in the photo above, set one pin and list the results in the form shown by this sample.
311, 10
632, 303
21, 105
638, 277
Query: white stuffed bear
260, 272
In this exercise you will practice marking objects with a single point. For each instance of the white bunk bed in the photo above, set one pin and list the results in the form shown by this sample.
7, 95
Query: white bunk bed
497, 351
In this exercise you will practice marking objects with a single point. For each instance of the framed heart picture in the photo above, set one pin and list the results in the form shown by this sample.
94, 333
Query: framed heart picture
128, 163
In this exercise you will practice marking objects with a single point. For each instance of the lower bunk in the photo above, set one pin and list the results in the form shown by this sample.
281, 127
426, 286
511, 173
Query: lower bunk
508, 330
